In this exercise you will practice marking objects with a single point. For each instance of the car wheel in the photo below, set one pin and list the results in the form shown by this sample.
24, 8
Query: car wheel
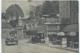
6, 42
16, 42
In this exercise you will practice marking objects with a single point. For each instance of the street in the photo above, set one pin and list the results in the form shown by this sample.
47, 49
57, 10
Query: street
24, 47
31, 26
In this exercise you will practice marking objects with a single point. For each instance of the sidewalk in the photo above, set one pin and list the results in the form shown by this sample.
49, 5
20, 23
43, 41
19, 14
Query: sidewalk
59, 47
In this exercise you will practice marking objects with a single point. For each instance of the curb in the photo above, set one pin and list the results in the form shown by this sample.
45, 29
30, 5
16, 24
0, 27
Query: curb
74, 50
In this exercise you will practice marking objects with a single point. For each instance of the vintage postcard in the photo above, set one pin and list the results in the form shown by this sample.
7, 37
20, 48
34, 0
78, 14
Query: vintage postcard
40, 26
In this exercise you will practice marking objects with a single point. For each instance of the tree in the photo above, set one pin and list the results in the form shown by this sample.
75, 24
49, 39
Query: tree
3, 15
38, 10
13, 23
14, 11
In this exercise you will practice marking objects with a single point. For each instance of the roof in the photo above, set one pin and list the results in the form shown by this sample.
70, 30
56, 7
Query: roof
6, 25
71, 28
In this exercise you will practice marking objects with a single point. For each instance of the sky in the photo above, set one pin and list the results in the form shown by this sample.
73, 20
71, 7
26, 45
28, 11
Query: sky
24, 4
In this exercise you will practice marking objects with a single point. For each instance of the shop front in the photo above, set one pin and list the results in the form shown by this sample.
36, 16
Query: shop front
72, 39
35, 36
62, 39
52, 37
72, 34
29, 33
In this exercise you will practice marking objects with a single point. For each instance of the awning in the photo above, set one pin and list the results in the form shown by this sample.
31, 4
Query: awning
71, 28
61, 34
72, 33
49, 33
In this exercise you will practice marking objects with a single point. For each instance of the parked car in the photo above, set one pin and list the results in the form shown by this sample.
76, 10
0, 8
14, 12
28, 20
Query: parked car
38, 38
11, 40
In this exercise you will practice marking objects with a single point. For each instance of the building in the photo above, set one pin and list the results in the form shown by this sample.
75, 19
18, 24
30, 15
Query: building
69, 22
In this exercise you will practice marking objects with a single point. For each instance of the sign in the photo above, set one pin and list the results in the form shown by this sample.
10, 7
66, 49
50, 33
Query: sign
52, 32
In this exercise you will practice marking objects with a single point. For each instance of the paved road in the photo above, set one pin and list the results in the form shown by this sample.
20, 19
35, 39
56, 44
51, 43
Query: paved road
24, 47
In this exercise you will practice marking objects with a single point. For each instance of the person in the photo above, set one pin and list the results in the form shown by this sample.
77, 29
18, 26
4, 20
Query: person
47, 40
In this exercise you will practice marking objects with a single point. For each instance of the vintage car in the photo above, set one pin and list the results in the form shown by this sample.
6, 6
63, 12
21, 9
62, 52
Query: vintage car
38, 38
11, 40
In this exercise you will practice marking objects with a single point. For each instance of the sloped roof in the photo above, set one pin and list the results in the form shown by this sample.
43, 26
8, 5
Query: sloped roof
71, 28
6, 25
